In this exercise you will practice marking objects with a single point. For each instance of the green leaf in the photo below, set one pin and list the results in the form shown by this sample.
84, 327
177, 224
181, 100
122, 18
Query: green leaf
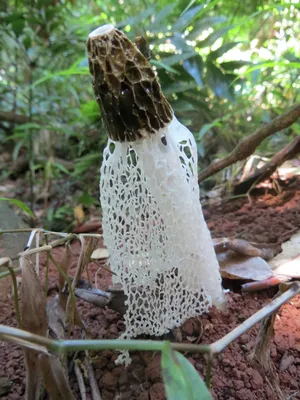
205, 23
19, 204
210, 40
159, 21
222, 50
85, 162
206, 128
186, 18
191, 3
90, 109
194, 66
180, 43
182, 381
161, 65
232, 65
179, 87
220, 83
138, 19
66, 72
176, 58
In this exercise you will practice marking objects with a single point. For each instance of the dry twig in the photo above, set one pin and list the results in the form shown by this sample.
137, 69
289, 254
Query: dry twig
247, 145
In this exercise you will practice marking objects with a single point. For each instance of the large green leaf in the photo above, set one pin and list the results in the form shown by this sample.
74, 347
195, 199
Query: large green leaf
232, 65
185, 19
138, 19
194, 66
204, 23
179, 87
182, 381
176, 58
159, 20
160, 64
19, 204
220, 83
222, 50
210, 40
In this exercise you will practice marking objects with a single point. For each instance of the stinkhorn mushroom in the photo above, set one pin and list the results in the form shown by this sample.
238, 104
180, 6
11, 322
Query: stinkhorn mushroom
159, 245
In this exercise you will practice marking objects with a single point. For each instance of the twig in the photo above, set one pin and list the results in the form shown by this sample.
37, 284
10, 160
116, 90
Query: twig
47, 270
6, 262
208, 371
288, 152
93, 382
247, 145
80, 381
30, 239
221, 344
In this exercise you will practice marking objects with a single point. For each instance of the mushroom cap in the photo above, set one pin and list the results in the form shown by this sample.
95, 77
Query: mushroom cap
126, 87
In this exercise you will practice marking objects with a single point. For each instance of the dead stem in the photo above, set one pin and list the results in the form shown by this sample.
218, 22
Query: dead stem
92, 379
221, 344
80, 380
41, 343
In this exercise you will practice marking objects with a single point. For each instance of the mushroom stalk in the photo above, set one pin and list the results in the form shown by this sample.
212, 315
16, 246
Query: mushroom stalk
160, 248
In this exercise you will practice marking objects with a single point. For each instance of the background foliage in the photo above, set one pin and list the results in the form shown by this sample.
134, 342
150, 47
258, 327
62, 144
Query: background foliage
226, 67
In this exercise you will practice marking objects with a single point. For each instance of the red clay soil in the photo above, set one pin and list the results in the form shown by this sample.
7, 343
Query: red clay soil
270, 219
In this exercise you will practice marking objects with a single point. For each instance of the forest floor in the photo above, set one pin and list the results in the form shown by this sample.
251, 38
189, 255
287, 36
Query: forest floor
268, 219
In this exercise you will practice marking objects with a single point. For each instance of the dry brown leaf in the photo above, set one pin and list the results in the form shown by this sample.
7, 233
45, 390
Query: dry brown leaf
246, 248
65, 265
56, 318
290, 269
34, 320
54, 378
290, 250
237, 266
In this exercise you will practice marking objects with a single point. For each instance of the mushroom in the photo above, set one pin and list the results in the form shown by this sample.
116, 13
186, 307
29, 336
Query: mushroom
160, 248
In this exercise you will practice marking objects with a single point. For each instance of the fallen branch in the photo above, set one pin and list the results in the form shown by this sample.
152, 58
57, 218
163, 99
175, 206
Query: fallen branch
247, 145
13, 118
288, 152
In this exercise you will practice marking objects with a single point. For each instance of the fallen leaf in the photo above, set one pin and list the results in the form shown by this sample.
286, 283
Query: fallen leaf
56, 318
34, 320
290, 269
290, 250
237, 266
246, 248
54, 378
100, 254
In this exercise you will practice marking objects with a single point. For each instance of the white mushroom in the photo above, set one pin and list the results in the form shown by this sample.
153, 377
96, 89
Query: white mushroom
160, 248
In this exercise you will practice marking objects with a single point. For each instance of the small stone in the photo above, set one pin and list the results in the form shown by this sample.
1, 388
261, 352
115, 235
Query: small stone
107, 395
113, 330
125, 396
109, 381
10, 372
226, 362
188, 327
294, 384
123, 378
238, 384
153, 371
144, 396
157, 392
285, 362
257, 380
